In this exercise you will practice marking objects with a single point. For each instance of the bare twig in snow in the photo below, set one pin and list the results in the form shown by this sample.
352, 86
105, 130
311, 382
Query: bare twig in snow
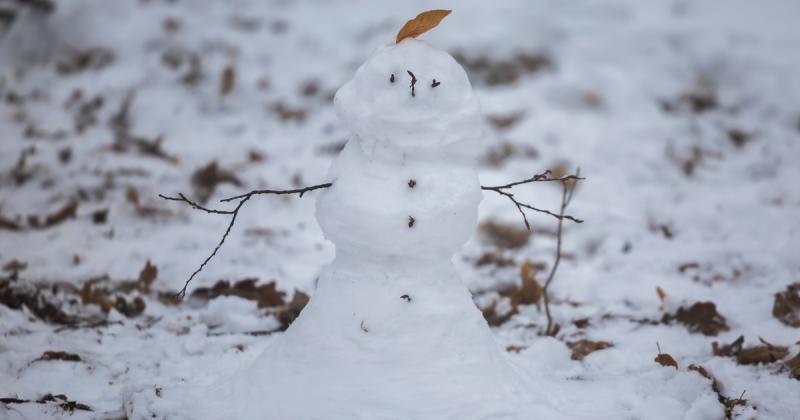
567, 189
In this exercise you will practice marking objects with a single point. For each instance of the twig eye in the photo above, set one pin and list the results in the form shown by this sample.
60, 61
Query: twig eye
435, 83
391, 78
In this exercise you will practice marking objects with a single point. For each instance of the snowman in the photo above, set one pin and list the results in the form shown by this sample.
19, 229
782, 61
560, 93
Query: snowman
391, 332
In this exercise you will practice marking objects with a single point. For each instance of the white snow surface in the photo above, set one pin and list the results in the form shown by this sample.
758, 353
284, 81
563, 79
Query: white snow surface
733, 209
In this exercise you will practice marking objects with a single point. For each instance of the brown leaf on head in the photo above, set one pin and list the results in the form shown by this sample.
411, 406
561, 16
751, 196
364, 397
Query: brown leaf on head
424, 22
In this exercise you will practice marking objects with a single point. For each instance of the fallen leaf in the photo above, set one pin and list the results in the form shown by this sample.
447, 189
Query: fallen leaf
530, 292
794, 367
503, 122
147, 276
661, 295
15, 265
728, 350
702, 371
786, 307
665, 359
227, 81
424, 22
515, 349
288, 313
91, 295
765, 353
206, 179
266, 295
59, 355
701, 317
583, 347
504, 235
494, 258
55, 218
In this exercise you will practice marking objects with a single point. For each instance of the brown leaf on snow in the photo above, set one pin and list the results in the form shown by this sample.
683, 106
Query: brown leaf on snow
793, 365
227, 81
289, 312
530, 292
15, 265
504, 235
91, 295
665, 359
765, 353
496, 318
661, 294
206, 179
702, 371
787, 306
583, 348
506, 121
424, 22
267, 295
55, 218
701, 317
515, 349
147, 276
59, 355
728, 350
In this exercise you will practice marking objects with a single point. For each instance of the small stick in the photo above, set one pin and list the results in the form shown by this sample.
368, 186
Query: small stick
413, 81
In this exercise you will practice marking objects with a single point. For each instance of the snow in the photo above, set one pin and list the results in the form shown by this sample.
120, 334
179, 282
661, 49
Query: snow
599, 105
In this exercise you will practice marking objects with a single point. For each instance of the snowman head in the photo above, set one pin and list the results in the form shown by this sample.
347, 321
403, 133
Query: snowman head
387, 114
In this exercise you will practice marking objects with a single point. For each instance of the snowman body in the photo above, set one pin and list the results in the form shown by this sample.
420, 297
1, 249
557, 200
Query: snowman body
391, 332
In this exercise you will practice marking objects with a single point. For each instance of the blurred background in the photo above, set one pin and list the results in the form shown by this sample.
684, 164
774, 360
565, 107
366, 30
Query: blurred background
684, 116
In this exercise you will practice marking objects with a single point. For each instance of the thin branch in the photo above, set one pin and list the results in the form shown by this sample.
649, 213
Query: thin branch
543, 177
300, 191
234, 213
567, 189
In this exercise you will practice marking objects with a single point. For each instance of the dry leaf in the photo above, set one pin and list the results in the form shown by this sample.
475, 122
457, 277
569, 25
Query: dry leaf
227, 81
15, 265
701, 317
794, 367
583, 348
424, 22
766, 353
661, 295
515, 349
531, 291
665, 359
267, 295
59, 355
787, 306
509, 236
728, 350
147, 276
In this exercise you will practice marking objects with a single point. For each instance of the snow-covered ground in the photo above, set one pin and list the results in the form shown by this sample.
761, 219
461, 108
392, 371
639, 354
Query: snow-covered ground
684, 116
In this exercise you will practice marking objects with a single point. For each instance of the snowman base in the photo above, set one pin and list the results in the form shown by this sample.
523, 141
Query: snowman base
404, 346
